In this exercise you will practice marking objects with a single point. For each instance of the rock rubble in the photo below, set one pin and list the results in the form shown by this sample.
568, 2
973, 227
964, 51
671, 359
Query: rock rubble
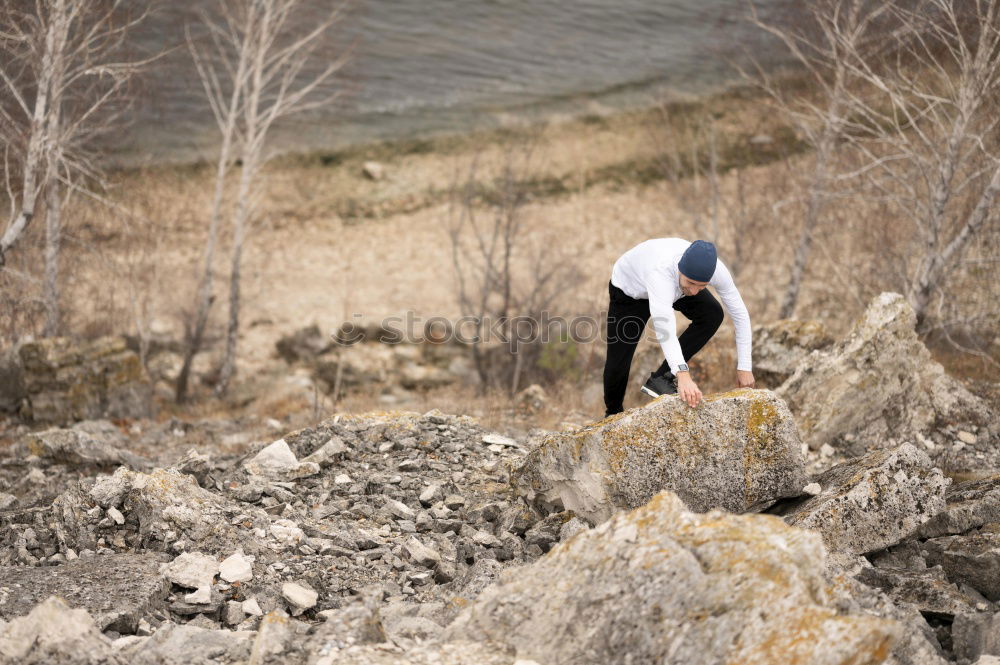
423, 539
409, 544
249, 543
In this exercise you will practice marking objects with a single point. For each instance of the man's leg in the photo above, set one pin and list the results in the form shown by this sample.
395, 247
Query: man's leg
626, 320
706, 316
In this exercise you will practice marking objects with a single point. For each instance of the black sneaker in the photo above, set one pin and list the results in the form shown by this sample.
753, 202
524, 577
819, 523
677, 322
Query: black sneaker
660, 385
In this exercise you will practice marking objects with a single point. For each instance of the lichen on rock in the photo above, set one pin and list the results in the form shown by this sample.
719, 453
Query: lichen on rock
66, 381
665, 586
780, 347
736, 451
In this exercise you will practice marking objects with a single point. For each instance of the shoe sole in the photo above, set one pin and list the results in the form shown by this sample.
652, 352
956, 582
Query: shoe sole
649, 392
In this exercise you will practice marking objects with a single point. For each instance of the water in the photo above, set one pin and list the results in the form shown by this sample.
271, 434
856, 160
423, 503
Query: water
424, 67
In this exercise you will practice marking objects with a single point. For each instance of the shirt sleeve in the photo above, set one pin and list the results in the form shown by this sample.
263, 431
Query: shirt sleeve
661, 310
722, 280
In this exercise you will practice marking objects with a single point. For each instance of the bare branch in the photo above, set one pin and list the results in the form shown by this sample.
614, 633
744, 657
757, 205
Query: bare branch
253, 77
70, 73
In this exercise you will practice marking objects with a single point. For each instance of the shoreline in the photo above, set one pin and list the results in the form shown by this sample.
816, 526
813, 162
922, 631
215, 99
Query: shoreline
747, 136
450, 142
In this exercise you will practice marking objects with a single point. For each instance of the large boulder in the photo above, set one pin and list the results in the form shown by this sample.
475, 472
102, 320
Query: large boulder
66, 381
52, 633
175, 644
780, 347
736, 451
117, 590
304, 344
970, 505
962, 542
663, 585
972, 559
355, 366
873, 502
976, 634
918, 643
76, 447
928, 590
377, 355
880, 385
406, 365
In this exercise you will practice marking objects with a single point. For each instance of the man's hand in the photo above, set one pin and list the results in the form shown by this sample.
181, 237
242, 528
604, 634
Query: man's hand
688, 389
744, 379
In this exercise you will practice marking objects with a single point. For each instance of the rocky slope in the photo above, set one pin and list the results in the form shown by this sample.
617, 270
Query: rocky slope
880, 387
423, 538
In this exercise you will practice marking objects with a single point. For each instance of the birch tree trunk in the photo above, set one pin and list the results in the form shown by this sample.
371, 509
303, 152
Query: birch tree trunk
228, 368
53, 185
254, 134
926, 130
59, 75
814, 207
39, 140
928, 281
272, 88
226, 117
843, 29
53, 241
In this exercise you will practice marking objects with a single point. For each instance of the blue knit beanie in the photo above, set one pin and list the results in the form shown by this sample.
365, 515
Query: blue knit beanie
698, 261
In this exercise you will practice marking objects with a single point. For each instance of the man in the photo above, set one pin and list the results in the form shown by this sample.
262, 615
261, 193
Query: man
653, 279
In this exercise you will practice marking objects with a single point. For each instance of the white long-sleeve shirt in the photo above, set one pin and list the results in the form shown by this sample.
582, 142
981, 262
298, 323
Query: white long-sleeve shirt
649, 270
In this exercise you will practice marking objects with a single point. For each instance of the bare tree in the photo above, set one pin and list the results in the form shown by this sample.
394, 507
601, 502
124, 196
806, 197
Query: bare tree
226, 117
907, 113
822, 42
254, 73
925, 127
500, 277
63, 70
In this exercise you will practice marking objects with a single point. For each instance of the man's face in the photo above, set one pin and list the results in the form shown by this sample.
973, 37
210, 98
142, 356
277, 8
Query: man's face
689, 287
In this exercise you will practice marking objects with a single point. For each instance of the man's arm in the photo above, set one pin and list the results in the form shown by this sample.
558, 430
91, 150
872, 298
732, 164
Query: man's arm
724, 285
661, 310
661, 292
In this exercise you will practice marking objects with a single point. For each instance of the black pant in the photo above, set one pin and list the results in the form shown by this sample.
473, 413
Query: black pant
627, 319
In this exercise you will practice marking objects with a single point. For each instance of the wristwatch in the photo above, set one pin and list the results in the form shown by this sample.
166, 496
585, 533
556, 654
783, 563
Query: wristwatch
682, 367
